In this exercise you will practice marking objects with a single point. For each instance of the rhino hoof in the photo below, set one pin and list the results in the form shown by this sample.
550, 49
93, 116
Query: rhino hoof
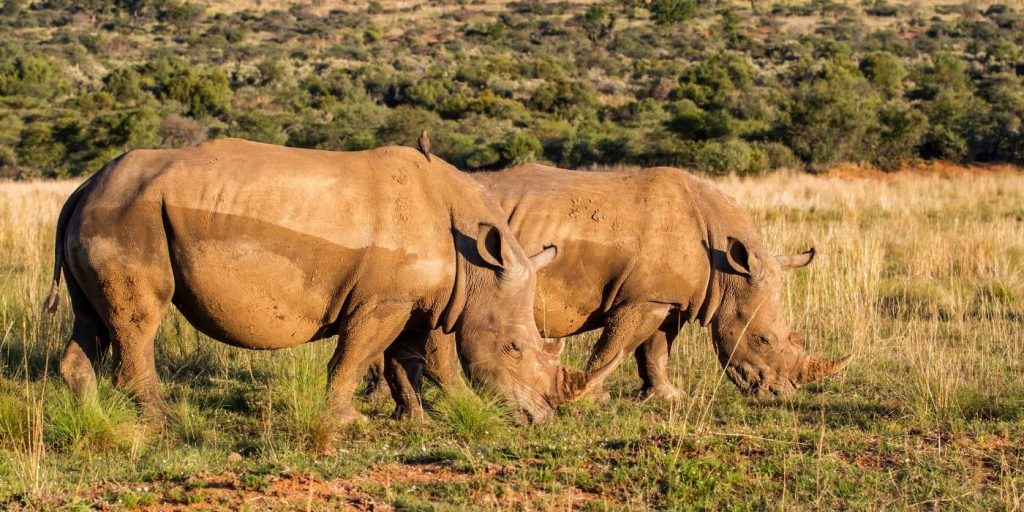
348, 416
665, 393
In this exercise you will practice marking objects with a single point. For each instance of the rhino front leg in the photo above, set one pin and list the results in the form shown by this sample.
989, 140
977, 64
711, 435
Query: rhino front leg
442, 361
362, 338
652, 362
626, 327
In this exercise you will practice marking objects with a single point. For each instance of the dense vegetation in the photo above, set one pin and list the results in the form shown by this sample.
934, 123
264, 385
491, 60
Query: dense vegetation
720, 86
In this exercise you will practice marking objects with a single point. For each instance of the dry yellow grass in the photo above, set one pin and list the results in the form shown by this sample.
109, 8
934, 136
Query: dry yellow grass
921, 277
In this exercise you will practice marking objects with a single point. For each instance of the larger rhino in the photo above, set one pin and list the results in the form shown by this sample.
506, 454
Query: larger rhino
639, 254
266, 247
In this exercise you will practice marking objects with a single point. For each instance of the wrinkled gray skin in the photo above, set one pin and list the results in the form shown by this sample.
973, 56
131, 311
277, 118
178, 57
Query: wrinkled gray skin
266, 247
639, 254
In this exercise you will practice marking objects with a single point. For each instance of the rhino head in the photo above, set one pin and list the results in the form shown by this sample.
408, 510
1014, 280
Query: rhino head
757, 348
497, 338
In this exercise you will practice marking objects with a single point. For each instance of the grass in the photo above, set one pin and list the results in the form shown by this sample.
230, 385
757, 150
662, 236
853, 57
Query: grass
921, 277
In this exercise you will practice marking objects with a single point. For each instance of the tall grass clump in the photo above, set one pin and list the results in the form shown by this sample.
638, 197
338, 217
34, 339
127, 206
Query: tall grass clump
299, 389
471, 417
189, 423
108, 422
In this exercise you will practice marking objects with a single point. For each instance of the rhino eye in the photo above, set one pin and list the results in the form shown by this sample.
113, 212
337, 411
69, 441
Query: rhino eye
513, 349
765, 340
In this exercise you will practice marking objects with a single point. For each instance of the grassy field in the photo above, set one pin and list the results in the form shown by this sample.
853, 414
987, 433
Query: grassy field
920, 274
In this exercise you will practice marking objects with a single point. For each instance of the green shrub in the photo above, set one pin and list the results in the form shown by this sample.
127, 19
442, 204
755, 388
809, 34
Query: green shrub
518, 148
30, 75
720, 157
885, 71
831, 117
40, 151
900, 132
955, 120
667, 12
258, 126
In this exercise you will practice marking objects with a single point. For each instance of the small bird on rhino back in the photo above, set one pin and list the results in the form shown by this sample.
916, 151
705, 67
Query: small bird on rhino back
424, 143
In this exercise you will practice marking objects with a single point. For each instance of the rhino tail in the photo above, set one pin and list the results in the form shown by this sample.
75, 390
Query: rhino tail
53, 299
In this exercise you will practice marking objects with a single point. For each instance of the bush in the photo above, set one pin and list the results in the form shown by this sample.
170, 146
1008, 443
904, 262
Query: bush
258, 126
40, 152
901, 131
955, 120
35, 76
668, 12
177, 131
830, 118
727, 156
885, 71
518, 148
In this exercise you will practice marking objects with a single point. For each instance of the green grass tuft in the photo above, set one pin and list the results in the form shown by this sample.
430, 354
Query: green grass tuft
111, 422
470, 417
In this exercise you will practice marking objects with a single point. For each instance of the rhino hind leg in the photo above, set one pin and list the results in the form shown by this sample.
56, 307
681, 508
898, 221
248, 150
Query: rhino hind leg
362, 338
376, 385
86, 348
626, 327
133, 326
652, 363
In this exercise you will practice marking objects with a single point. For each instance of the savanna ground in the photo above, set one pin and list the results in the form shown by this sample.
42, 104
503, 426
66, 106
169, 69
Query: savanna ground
919, 274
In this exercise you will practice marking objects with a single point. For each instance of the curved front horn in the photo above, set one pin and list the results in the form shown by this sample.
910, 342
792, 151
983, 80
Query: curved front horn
576, 384
817, 369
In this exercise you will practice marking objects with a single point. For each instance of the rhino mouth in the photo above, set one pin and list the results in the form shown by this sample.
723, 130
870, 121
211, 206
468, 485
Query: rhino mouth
761, 382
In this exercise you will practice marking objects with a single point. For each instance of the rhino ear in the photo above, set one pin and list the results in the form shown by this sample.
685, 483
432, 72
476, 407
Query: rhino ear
553, 348
740, 259
544, 258
490, 246
788, 261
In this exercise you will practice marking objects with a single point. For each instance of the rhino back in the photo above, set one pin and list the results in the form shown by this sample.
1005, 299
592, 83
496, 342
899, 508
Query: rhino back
268, 245
623, 236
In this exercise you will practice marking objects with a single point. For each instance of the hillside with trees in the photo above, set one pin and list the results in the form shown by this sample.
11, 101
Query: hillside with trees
744, 87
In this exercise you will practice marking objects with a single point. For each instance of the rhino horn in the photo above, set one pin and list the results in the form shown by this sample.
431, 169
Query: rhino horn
817, 369
579, 384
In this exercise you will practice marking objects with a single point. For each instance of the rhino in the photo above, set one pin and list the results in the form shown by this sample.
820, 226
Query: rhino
640, 253
266, 247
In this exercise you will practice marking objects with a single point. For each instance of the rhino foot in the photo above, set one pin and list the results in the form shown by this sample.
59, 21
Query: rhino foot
348, 416
667, 393
414, 413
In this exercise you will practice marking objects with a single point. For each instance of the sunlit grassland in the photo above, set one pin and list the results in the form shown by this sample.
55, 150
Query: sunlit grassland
922, 278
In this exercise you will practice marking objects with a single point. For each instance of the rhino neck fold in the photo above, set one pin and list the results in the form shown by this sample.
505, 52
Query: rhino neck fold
712, 298
449, 315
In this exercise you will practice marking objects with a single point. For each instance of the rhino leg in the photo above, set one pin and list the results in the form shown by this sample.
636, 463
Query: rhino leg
442, 362
626, 327
376, 385
363, 337
86, 348
404, 382
652, 362
403, 370
134, 316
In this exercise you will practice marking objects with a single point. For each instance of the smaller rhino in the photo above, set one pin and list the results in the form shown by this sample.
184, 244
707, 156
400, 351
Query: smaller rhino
639, 254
